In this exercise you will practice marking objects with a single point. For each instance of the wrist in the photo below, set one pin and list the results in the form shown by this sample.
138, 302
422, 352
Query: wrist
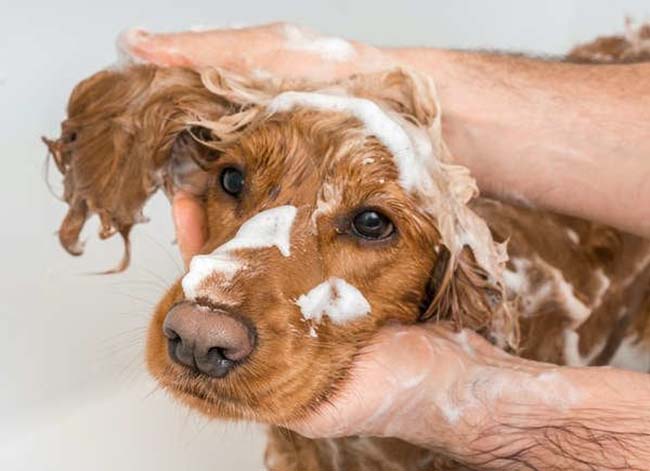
460, 410
564, 418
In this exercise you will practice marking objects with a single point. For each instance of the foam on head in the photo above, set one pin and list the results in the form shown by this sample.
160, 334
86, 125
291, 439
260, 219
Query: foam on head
328, 48
335, 298
270, 228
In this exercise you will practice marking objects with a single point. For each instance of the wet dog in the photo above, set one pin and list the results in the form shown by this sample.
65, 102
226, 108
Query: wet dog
333, 209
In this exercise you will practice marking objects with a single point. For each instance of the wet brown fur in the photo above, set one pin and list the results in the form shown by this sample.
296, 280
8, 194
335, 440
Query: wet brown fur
132, 131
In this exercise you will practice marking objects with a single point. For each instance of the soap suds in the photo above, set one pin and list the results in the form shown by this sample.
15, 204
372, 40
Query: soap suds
414, 381
266, 229
329, 198
602, 289
328, 48
488, 384
336, 299
375, 121
203, 266
577, 311
463, 341
573, 236
517, 281
572, 356
270, 228
553, 287
202, 27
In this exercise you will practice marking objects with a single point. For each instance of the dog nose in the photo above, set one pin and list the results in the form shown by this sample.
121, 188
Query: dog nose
207, 340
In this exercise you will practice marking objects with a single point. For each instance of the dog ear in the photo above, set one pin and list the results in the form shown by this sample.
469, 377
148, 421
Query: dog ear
130, 132
462, 292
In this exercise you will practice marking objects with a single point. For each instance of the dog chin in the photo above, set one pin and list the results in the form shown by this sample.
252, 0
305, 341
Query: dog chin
219, 402
210, 402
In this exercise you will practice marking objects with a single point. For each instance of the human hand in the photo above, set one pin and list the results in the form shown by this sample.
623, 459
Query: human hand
279, 50
190, 223
431, 386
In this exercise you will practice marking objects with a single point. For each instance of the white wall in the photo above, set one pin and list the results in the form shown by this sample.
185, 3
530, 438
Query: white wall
73, 392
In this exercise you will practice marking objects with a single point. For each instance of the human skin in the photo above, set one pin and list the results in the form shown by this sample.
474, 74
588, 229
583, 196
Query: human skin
570, 138
459, 395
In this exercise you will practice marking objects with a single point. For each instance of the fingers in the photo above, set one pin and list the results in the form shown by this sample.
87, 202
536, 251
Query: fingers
166, 50
278, 49
190, 222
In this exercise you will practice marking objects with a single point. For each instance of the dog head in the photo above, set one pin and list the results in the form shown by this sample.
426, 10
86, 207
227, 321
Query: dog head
332, 209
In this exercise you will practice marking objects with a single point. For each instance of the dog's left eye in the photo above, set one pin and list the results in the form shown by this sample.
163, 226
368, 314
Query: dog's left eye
372, 225
232, 181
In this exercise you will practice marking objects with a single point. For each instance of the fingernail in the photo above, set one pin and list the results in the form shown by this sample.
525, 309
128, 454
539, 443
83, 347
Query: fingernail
128, 43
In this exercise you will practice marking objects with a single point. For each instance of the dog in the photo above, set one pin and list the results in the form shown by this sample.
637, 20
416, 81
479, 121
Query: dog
333, 209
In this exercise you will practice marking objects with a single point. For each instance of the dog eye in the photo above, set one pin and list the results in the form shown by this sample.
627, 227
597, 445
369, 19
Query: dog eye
232, 181
372, 225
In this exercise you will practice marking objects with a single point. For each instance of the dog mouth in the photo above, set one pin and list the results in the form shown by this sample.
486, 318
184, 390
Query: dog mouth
196, 384
237, 399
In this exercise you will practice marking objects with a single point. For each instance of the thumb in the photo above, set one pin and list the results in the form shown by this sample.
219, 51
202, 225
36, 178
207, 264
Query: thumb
190, 223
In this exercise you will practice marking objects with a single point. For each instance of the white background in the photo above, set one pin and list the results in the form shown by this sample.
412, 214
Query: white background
73, 391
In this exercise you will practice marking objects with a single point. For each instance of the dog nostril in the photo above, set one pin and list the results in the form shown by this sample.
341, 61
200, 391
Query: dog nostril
216, 363
171, 334
179, 352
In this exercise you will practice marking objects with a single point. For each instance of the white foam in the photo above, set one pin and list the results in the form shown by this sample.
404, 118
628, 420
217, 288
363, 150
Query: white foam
555, 287
328, 48
489, 384
329, 198
376, 122
266, 229
605, 282
577, 311
336, 299
517, 281
203, 266
518, 284
573, 236
572, 356
463, 341
270, 228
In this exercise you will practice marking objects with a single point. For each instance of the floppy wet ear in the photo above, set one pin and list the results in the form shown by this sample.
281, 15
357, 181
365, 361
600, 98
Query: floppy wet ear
130, 132
462, 292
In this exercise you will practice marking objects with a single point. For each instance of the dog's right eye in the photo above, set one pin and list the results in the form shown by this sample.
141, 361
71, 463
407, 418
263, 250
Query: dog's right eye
232, 181
372, 225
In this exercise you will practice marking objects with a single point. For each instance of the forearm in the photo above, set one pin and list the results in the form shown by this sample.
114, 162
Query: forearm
606, 426
510, 413
570, 138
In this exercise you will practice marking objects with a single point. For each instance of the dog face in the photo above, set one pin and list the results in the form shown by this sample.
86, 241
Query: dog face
330, 213
313, 244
